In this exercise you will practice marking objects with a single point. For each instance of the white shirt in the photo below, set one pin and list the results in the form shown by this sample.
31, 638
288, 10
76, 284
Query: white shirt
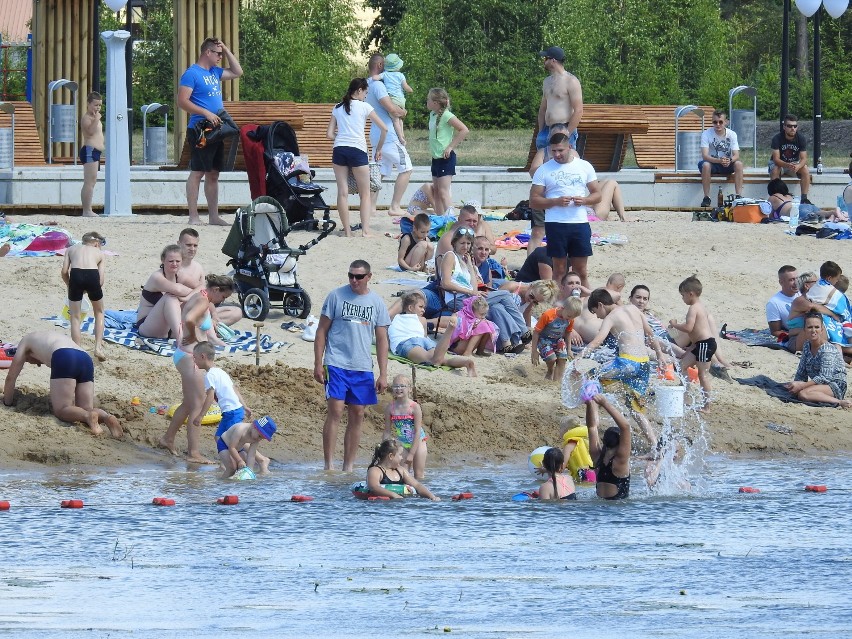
404, 326
778, 308
220, 381
350, 126
569, 179
720, 146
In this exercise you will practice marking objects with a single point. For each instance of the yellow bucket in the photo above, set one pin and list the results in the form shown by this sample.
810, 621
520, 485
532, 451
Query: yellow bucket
85, 309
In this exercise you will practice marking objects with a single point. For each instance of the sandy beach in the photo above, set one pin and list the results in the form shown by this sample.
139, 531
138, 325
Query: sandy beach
503, 414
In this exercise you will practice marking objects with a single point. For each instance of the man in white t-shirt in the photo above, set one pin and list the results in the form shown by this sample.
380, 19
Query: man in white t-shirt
564, 186
720, 152
778, 306
394, 154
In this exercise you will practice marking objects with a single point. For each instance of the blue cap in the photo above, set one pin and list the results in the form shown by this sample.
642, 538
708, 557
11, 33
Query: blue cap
266, 427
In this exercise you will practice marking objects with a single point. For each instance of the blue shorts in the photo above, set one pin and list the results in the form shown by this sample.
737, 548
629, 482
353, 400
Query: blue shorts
349, 156
543, 138
72, 363
423, 342
434, 302
356, 388
568, 240
89, 154
441, 167
229, 418
717, 169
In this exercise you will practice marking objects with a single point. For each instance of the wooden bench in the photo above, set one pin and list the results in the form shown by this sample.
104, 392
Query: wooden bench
687, 177
28, 148
603, 134
261, 112
655, 149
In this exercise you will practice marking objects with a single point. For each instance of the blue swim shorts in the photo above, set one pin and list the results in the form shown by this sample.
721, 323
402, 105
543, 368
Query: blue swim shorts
717, 169
543, 138
89, 154
357, 388
229, 418
442, 167
568, 240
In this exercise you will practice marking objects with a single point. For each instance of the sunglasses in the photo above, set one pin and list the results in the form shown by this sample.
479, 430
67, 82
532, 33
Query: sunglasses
465, 231
357, 276
218, 53
718, 122
791, 126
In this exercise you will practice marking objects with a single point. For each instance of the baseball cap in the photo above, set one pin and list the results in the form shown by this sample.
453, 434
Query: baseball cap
266, 427
553, 52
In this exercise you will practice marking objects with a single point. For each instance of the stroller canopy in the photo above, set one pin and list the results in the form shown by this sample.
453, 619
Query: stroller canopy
262, 221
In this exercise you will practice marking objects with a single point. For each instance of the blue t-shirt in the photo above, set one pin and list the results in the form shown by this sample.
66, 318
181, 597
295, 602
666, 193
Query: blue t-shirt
375, 92
206, 88
354, 319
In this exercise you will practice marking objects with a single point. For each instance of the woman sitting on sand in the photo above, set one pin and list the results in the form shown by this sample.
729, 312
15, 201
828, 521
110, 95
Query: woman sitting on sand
158, 314
821, 376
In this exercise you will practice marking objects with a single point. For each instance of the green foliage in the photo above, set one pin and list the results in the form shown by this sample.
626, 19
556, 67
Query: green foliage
153, 79
390, 13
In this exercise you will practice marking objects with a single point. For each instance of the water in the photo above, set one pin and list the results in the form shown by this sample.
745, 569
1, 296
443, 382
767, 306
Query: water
712, 563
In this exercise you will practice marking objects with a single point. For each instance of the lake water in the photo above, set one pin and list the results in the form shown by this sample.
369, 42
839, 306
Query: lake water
713, 564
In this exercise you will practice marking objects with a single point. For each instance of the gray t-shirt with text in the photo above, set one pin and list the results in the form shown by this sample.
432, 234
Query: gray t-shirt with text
354, 319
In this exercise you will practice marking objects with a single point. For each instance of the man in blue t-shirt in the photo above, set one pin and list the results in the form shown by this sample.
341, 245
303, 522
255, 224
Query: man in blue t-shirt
200, 95
394, 153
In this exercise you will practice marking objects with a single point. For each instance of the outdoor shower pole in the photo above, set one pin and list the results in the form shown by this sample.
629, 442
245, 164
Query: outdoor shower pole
117, 195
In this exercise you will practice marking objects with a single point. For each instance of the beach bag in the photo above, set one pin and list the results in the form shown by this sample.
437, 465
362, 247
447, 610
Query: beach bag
209, 134
375, 180
747, 214
521, 212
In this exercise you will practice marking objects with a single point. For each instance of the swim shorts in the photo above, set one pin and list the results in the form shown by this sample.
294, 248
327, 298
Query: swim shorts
551, 350
633, 372
543, 138
72, 363
229, 418
356, 388
90, 154
568, 240
84, 280
209, 158
442, 167
704, 350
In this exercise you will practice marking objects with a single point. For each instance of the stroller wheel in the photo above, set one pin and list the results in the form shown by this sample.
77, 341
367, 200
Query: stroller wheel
255, 304
297, 305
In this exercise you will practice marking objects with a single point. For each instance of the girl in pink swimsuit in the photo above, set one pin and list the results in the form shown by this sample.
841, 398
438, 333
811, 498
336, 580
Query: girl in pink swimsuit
404, 423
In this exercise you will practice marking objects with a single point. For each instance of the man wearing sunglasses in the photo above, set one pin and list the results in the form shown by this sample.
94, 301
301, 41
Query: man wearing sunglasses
200, 95
351, 315
720, 152
790, 156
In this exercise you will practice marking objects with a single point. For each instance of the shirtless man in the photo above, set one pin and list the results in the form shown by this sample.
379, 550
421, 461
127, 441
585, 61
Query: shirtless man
561, 103
627, 324
90, 151
191, 275
72, 379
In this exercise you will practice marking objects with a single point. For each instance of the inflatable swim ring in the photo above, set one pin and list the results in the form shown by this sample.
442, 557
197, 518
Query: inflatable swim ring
213, 416
360, 491
7, 354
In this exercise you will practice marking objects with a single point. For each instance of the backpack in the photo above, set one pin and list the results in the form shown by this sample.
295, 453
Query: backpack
521, 212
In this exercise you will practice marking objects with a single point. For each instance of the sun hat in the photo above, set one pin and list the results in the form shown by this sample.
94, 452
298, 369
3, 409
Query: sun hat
266, 427
393, 62
553, 52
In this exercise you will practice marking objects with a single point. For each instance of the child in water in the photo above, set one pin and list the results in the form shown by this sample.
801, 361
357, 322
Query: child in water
404, 423
558, 485
385, 477
83, 272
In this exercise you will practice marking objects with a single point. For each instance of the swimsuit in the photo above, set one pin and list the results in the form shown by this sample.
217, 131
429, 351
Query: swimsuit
152, 297
561, 482
402, 426
606, 476
795, 322
704, 349
90, 154
634, 372
410, 246
84, 280
72, 363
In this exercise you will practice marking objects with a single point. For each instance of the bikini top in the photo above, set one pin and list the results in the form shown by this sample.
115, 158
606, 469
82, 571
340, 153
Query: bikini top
152, 297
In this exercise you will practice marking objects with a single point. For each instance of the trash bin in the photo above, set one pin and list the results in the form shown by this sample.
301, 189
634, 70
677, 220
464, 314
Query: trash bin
687, 150
7, 151
155, 145
743, 123
63, 122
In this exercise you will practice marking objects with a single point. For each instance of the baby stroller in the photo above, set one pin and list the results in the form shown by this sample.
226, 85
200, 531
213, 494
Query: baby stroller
264, 266
280, 172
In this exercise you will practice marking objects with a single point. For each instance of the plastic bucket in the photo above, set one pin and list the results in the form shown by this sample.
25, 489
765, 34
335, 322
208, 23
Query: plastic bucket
85, 309
670, 400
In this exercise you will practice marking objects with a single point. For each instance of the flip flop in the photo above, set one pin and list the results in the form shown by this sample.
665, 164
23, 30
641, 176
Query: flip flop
355, 227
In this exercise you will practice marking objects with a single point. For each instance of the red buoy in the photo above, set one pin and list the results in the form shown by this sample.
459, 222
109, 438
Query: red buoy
816, 488
461, 496
301, 498
749, 489
72, 503
163, 501
228, 500
5, 505
378, 498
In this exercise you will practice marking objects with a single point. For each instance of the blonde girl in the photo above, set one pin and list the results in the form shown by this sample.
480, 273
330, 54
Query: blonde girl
446, 132
404, 423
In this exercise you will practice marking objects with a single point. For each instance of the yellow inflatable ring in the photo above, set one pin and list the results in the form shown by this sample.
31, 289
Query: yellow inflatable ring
213, 416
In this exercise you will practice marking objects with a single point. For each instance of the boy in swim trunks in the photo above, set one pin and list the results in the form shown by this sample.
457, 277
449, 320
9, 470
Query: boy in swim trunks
83, 272
90, 149
702, 342
72, 379
219, 387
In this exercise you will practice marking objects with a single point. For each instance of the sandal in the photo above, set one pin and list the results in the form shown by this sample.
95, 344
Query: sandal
517, 349
526, 338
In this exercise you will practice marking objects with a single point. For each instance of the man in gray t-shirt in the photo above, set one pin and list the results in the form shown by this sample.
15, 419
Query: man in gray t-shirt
343, 361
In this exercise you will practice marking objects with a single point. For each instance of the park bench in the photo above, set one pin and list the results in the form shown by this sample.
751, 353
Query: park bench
604, 132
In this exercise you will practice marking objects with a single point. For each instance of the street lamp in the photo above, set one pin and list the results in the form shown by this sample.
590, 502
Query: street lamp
808, 8
117, 187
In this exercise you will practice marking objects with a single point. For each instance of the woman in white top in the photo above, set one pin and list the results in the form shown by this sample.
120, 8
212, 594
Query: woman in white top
346, 128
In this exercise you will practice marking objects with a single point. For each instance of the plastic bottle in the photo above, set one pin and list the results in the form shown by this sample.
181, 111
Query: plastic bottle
720, 198
794, 215
819, 167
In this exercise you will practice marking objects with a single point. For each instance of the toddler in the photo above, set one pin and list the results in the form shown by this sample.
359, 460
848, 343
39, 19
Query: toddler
83, 272
385, 478
234, 457
697, 325
397, 87
551, 335
404, 423
473, 332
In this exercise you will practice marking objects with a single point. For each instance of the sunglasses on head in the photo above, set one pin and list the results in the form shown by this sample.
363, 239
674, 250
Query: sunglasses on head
357, 276
465, 231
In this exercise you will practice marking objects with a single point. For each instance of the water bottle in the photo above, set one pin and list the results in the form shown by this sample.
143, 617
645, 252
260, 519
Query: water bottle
819, 167
794, 215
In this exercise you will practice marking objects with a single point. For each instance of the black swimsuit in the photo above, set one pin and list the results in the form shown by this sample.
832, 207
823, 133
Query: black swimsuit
386, 480
606, 476
410, 246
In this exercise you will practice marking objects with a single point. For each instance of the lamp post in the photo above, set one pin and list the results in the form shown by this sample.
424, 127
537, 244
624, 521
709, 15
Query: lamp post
808, 8
117, 191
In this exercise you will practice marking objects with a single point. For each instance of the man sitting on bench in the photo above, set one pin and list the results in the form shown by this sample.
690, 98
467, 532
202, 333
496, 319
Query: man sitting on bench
720, 151
790, 156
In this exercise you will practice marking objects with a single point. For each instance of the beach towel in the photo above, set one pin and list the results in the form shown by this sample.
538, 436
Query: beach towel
752, 337
469, 325
824, 293
243, 341
517, 240
777, 390
33, 240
